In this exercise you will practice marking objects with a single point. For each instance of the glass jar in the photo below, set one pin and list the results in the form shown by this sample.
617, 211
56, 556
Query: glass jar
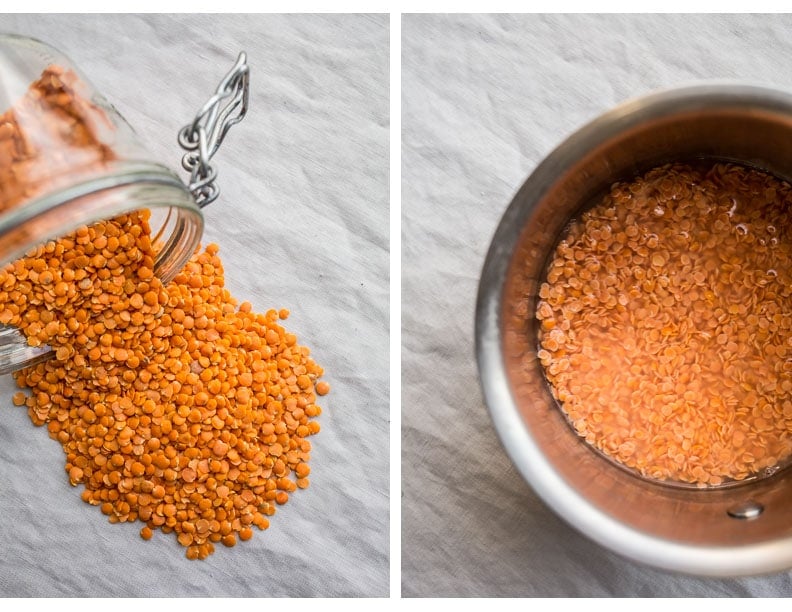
68, 159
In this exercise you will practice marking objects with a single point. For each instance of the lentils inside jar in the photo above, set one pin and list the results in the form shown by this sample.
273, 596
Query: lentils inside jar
666, 324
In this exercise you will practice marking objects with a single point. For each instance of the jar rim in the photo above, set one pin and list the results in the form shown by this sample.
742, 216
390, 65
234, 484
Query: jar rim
61, 211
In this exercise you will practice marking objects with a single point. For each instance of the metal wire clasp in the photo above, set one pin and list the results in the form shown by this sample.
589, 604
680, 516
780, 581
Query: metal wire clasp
203, 136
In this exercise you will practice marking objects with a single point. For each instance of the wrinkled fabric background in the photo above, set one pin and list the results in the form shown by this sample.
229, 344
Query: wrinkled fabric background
485, 99
302, 223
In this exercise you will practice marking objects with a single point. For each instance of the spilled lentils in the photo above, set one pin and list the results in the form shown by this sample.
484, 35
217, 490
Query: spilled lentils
174, 405
666, 324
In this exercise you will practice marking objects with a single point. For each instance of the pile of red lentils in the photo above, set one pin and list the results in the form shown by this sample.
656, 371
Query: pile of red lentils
666, 324
174, 405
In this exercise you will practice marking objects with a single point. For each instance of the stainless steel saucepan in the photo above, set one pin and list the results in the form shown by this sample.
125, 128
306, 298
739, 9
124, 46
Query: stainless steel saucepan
740, 530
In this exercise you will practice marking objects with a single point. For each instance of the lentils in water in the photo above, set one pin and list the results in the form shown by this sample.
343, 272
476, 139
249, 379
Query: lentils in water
666, 323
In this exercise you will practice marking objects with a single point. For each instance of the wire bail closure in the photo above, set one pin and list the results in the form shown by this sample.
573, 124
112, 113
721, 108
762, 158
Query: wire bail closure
205, 134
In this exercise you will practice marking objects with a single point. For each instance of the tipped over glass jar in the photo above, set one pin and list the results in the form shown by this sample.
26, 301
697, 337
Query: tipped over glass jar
69, 159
